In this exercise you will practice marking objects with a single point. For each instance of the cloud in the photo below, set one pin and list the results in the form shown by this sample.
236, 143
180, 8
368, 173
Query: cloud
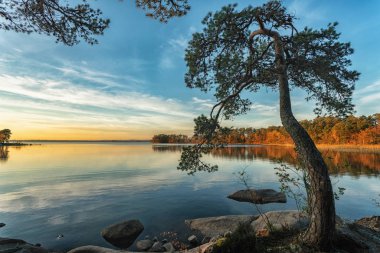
49, 103
202, 104
174, 50
367, 98
305, 12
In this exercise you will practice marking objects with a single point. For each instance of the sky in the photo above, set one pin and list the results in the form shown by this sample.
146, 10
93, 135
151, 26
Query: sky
131, 85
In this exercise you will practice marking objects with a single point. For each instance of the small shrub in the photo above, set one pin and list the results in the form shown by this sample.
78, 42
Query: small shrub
243, 240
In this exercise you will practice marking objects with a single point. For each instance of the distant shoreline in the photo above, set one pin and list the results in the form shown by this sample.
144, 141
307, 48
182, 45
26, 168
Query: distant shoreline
14, 144
83, 140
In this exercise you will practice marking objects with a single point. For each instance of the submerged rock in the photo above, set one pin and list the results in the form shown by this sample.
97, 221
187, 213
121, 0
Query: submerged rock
122, 235
261, 196
214, 226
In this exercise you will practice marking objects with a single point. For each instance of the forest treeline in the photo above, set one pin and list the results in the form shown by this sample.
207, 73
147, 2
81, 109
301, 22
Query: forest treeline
362, 130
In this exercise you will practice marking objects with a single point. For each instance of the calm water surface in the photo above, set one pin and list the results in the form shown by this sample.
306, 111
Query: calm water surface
76, 189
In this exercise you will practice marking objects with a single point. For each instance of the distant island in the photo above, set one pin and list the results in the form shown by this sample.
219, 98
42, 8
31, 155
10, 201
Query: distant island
362, 130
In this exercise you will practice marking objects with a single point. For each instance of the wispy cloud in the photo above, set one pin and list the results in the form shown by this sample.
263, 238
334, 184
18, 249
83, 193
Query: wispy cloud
62, 104
367, 98
307, 13
174, 50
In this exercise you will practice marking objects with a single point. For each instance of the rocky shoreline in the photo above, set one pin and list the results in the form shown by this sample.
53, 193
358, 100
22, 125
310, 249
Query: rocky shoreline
362, 235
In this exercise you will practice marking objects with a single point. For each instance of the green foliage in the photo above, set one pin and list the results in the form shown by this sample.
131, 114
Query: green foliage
191, 159
163, 10
5, 135
242, 240
67, 23
224, 58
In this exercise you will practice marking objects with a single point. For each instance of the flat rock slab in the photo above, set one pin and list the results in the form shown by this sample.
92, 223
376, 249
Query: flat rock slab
370, 222
281, 220
96, 249
9, 245
214, 226
357, 239
260, 196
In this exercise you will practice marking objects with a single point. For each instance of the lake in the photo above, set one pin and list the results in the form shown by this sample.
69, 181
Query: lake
76, 189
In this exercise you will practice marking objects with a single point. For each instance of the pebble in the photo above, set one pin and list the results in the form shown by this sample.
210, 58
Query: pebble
157, 247
144, 245
192, 239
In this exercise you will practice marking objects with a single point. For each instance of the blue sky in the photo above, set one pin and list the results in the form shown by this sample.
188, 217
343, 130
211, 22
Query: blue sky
130, 85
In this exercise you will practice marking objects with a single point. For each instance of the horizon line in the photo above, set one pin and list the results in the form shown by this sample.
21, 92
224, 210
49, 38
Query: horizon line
132, 140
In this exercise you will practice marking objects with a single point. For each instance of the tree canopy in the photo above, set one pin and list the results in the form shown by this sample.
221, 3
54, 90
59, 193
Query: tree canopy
226, 58
70, 23
5, 135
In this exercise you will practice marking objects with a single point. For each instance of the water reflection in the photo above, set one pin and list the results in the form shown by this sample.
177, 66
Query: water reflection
351, 162
4, 154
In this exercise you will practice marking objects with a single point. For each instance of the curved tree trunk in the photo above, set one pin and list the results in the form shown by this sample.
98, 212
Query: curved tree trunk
321, 230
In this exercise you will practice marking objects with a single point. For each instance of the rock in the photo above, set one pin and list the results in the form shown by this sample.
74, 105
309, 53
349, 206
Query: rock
201, 249
280, 220
164, 241
369, 222
355, 238
144, 245
8, 245
214, 226
155, 239
169, 247
4, 241
206, 239
193, 239
2, 225
123, 234
96, 249
261, 196
157, 247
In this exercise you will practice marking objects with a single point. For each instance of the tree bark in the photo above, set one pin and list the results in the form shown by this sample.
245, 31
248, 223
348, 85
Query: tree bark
321, 230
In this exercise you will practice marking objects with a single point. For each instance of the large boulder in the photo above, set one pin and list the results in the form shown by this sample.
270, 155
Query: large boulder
260, 196
122, 235
280, 220
214, 226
